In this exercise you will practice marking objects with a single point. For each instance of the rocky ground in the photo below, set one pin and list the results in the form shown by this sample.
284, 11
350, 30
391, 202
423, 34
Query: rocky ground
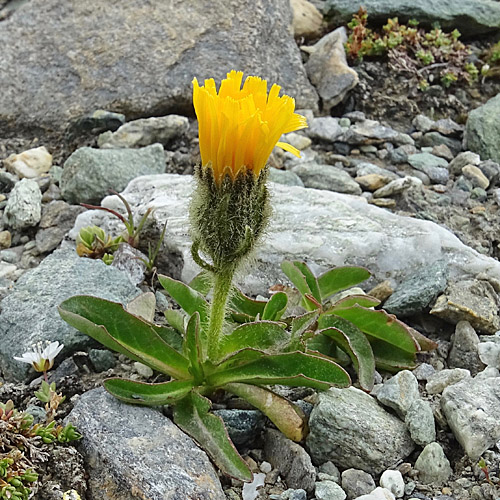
404, 182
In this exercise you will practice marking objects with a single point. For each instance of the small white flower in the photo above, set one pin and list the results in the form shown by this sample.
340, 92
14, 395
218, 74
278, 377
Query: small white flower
42, 358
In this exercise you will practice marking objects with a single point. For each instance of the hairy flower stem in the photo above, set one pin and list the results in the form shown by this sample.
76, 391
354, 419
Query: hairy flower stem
222, 286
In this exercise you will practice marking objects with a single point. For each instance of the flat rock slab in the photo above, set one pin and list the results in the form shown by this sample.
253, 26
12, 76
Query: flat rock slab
134, 452
479, 16
63, 60
29, 313
324, 228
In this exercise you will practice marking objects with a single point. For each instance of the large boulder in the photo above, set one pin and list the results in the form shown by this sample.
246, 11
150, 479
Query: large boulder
29, 313
483, 128
471, 18
62, 60
322, 227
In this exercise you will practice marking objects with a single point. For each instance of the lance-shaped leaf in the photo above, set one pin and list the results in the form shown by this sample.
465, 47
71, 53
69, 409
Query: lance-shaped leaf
176, 318
341, 278
351, 300
311, 280
354, 343
261, 335
380, 325
424, 343
189, 299
240, 303
287, 417
109, 323
169, 335
295, 369
295, 275
275, 307
141, 393
202, 283
192, 415
192, 347
391, 358
300, 324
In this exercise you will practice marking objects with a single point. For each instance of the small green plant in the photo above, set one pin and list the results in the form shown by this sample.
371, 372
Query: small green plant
233, 343
94, 243
410, 49
448, 79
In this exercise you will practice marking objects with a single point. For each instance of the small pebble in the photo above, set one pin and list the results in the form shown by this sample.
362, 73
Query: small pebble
393, 481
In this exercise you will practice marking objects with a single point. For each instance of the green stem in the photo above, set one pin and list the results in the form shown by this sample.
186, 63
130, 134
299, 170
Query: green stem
222, 286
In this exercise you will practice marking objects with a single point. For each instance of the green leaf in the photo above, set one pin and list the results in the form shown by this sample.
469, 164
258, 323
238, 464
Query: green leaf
141, 393
240, 358
351, 300
192, 415
259, 335
295, 369
287, 417
202, 283
391, 358
296, 277
176, 319
341, 278
109, 323
192, 347
170, 336
380, 325
311, 280
424, 343
245, 305
189, 299
354, 343
300, 324
275, 307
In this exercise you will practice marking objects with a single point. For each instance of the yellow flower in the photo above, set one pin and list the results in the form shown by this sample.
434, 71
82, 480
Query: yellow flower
239, 127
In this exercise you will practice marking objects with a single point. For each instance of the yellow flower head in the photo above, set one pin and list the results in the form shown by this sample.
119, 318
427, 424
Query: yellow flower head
239, 127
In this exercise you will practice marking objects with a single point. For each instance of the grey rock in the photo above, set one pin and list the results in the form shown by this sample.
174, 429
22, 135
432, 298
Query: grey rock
143, 370
90, 173
7, 181
372, 132
357, 482
434, 166
392, 480
146, 131
325, 128
477, 17
58, 217
461, 160
331, 470
243, 426
24, 206
471, 408
391, 246
446, 126
491, 171
101, 360
397, 186
420, 422
328, 70
464, 349
96, 122
415, 293
29, 313
443, 378
128, 260
399, 392
432, 465
479, 194
363, 168
489, 353
328, 490
291, 494
132, 451
400, 154
326, 177
285, 177
424, 371
476, 176
146, 71
488, 372
379, 494
347, 426
422, 123
482, 129
432, 139
291, 459
474, 301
